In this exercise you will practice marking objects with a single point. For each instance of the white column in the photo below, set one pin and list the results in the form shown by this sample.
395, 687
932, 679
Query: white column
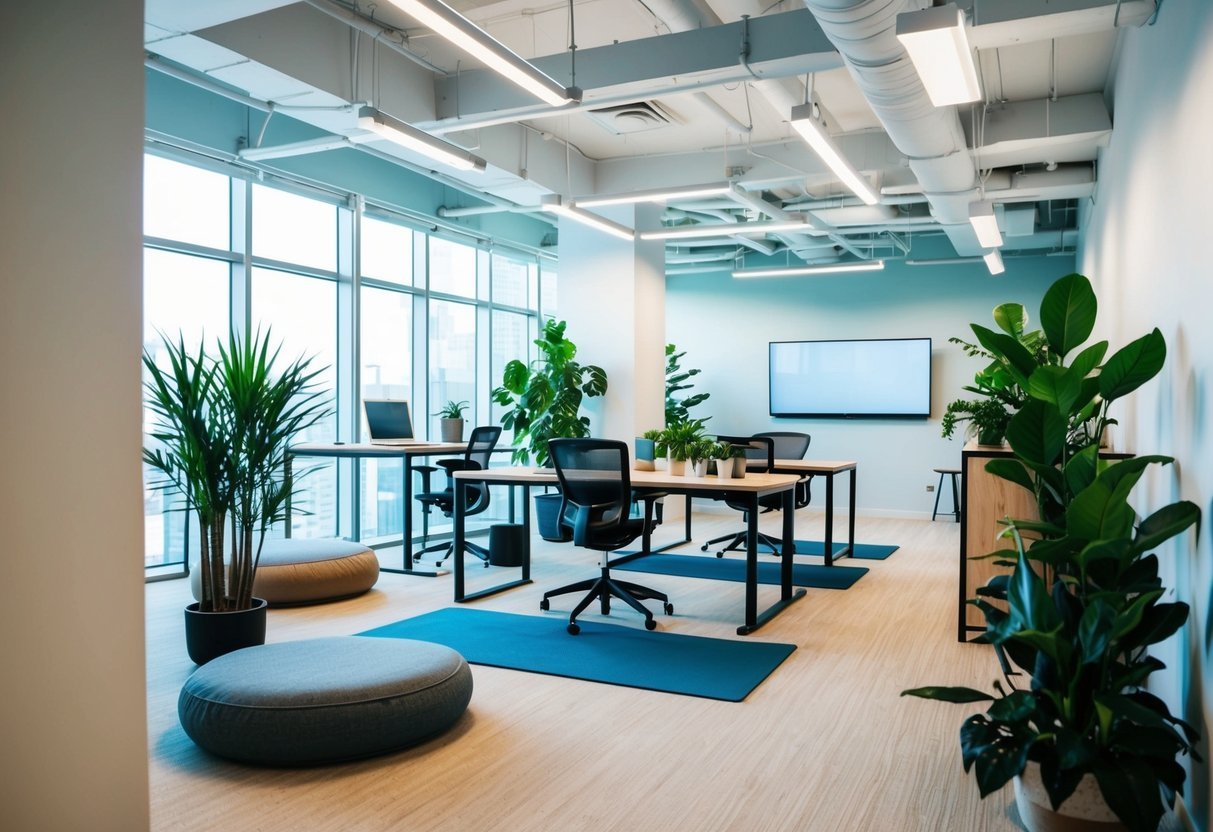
74, 727
612, 293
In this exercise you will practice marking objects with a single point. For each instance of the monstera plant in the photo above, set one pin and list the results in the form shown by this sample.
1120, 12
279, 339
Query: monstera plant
1083, 601
544, 397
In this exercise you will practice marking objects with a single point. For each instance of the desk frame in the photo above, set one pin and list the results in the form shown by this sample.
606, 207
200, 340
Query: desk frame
828, 469
359, 451
751, 487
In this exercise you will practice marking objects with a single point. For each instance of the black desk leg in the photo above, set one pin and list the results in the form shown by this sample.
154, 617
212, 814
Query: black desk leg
789, 544
406, 522
829, 519
787, 595
851, 517
751, 564
461, 491
526, 525
461, 594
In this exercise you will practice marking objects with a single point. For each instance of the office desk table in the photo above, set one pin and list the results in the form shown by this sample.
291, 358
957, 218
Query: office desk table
751, 487
406, 453
828, 469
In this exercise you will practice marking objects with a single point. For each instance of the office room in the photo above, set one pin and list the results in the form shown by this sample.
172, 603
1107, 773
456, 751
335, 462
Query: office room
95, 646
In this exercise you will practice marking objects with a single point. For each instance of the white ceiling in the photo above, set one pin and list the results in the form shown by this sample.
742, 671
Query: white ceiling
1044, 66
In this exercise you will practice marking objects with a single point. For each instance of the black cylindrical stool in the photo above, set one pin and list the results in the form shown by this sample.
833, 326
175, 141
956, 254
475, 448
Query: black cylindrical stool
953, 473
506, 544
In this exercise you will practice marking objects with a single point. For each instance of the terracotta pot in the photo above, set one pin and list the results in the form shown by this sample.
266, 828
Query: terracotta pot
1083, 811
209, 635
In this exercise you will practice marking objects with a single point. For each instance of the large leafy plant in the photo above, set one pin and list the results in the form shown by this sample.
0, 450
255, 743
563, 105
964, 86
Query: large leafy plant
544, 398
677, 408
1083, 602
221, 428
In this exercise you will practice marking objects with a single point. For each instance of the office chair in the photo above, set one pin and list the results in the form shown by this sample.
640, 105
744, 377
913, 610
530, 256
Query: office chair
762, 449
596, 485
475, 458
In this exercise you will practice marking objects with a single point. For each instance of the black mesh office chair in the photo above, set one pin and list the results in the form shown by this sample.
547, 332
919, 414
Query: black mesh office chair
762, 449
595, 481
475, 457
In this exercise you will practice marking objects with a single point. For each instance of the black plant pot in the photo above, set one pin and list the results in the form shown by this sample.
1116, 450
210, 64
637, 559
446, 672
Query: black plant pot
547, 518
211, 634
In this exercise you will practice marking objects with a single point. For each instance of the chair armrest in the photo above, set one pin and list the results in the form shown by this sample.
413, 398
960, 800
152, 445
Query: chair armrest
585, 522
425, 471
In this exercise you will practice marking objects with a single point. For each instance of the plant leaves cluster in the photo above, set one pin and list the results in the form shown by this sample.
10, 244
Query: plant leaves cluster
1084, 600
544, 397
221, 429
676, 380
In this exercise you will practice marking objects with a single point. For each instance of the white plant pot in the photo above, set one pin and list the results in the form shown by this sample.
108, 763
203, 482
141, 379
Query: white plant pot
724, 468
678, 467
698, 469
1084, 810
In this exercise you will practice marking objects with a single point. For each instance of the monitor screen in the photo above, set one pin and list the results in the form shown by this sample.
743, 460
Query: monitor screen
388, 418
873, 378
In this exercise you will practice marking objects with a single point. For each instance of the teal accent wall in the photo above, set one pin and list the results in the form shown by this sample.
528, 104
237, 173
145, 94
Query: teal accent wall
725, 325
184, 111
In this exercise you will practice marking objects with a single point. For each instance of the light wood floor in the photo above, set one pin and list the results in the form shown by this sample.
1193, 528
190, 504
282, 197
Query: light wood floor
825, 743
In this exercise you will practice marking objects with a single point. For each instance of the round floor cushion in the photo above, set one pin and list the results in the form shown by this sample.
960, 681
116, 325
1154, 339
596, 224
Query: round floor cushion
306, 571
324, 700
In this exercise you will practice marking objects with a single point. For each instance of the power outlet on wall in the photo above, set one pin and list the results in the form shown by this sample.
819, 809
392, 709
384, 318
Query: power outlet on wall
930, 488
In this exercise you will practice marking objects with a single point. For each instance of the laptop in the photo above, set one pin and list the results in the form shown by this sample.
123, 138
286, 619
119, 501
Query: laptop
388, 422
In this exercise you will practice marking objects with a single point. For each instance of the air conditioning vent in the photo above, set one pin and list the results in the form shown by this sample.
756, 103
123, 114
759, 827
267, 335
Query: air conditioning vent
637, 117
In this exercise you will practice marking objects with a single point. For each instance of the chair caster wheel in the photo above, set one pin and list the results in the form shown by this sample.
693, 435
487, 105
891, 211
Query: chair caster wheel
573, 629
486, 564
650, 624
669, 609
703, 548
720, 554
544, 605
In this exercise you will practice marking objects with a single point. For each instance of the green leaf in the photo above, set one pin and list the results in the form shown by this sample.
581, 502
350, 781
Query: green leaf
515, 376
1011, 470
1080, 469
1095, 631
1165, 524
997, 756
1011, 318
1015, 707
1158, 623
1067, 313
1088, 359
1028, 600
1133, 365
1004, 346
1131, 791
1037, 432
1055, 385
949, 694
1099, 513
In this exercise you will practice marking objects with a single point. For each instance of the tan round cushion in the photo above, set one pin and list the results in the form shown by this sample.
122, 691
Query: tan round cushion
307, 571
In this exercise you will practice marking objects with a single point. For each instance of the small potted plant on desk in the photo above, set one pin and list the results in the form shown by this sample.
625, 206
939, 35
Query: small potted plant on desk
221, 429
680, 441
451, 426
988, 419
1084, 602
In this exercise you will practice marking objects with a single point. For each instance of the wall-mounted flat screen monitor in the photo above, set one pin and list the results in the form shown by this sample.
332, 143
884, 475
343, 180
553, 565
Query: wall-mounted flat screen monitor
844, 379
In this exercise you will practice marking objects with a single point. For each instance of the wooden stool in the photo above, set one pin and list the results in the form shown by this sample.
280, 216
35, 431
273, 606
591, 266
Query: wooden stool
953, 473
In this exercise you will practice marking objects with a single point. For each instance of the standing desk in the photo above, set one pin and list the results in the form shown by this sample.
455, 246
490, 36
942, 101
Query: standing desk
828, 469
751, 487
358, 450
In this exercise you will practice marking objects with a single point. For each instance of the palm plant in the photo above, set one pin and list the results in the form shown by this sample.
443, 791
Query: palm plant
544, 398
221, 432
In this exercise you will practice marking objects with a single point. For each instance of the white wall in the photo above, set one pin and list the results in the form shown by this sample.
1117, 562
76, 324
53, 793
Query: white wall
725, 326
1146, 249
73, 724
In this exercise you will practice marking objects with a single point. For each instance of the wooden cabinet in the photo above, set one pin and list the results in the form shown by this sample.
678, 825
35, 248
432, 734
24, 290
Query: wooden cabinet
986, 500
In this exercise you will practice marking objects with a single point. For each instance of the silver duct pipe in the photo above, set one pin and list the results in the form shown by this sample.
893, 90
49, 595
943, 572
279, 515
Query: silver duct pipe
864, 32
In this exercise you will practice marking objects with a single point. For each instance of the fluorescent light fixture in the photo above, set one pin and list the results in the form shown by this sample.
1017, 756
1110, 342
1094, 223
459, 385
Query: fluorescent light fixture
657, 195
981, 217
994, 262
554, 204
724, 229
799, 271
814, 132
938, 43
463, 33
384, 126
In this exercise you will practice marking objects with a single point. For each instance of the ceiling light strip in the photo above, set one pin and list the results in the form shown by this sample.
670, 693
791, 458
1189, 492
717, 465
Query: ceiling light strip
724, 229
463, 33
814, 132
937, 41
994, 262
384, 126
554, 204
803, 271
656, 195
985, 224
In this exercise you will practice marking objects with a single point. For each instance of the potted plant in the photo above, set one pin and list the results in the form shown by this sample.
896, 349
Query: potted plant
1084, 601
451, 424
700, 452
987, 417
543, 401
221, 429
722, 453
679, 440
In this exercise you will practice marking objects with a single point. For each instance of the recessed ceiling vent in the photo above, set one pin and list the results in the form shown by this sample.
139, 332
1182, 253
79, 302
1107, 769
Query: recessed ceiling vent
638, 117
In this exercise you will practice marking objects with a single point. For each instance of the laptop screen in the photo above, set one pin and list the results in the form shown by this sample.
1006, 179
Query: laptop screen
388, 418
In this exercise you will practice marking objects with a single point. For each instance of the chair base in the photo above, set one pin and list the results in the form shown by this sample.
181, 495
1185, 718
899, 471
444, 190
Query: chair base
739, 540
602, 589
448, 549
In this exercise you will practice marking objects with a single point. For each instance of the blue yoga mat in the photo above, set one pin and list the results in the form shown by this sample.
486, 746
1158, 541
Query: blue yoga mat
733, 569
712, 668
863, 551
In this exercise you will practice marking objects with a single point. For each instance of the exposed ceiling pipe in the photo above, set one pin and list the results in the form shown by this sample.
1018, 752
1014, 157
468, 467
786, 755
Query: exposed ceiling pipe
776, 213
705, 257
390, 38
864, 32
